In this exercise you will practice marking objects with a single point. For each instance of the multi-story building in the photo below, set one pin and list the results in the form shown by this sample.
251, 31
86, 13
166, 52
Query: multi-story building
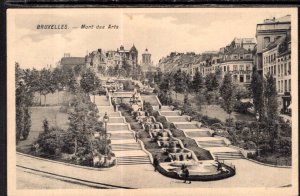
277, 61
102, 60
267, 32
239, 63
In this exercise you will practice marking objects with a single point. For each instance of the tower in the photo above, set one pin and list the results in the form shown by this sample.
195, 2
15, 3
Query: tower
146, 58
133, 55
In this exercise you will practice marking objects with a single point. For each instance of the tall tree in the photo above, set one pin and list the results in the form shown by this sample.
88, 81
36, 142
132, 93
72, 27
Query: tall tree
198, 82
227, 93
24, 98
257, 93
45, 85
90, 82
179, 82
211, 82
270, 95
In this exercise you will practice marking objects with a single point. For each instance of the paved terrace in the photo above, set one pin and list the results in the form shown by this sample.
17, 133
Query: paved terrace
249, 174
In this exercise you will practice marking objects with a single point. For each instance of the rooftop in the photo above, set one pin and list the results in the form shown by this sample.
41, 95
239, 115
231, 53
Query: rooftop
73, 61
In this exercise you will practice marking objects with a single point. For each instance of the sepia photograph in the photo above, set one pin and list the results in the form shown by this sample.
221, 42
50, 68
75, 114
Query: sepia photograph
156, 100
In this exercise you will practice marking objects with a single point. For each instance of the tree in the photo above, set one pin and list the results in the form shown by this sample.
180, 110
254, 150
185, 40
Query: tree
198, 82
46, 85
227, 93
257, 93
24, 97
270, 95
90, 82
211, 82
166, 86
271, 104
70, 80
179, 82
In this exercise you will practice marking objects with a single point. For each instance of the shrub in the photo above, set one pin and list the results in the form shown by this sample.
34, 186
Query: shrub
242, 107
210, 121
249, 145
51, 142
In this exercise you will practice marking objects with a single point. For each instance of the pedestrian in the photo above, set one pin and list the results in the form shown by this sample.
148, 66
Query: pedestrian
136, 136
114, 104
155, 162
186, 175
219, 166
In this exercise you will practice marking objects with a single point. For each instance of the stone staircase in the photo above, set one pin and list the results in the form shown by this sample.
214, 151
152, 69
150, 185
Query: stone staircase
198, 134
228, 155
186, 126
116, 120
178, 118
212, 143
169, 113
133, 160
202, 136
123, 144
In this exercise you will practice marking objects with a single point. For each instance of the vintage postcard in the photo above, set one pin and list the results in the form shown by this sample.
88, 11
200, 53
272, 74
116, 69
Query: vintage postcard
152, 101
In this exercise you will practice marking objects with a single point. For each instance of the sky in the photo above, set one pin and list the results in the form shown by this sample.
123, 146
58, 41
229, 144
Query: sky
160, 30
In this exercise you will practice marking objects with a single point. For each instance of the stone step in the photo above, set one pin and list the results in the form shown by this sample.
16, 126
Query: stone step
178, 119
198, 134
169, 113
133, 160
124, 148
117, 127
103, 109
110, 114
187, 126
212, 143
228, 155
121, 137
116, 120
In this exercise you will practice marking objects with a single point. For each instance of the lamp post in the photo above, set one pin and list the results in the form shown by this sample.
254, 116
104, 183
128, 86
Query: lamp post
105, 120
257, 133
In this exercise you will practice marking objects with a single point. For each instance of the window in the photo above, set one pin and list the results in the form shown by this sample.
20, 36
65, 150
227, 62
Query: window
285, 71
271, 70
241, 57
235, 67
228, 68
248, 67
224, 68
235, 78
281, 85
285, 85
274, 69
290, 85
248, 78
290, 68
266, 41
281, 69
241, 78
242, 67
278, 86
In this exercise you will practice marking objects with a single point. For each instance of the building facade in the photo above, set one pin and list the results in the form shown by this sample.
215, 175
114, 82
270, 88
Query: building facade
269, 31
277, 61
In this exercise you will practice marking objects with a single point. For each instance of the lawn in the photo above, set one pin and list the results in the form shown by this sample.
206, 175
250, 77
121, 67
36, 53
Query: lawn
52, 99
214, 111
38, 114
275, 159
